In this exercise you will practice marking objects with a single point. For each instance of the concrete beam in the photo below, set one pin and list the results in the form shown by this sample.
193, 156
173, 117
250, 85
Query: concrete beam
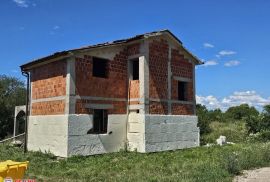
70, 86
144, 76
99, 106
169, 80
178, 78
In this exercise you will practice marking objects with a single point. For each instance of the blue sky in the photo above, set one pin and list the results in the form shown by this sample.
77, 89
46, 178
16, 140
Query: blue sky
232, 37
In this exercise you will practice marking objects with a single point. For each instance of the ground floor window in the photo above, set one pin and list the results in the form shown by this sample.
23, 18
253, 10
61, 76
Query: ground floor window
100, 122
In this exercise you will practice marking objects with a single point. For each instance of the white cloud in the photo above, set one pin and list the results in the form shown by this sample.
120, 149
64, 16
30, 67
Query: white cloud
226, 53
232, 63
208, 45
21, 3
210, 63
244, 97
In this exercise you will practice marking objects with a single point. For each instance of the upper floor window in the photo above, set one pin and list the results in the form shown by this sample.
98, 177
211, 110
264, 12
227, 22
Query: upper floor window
135, 69
100, 67
182, 91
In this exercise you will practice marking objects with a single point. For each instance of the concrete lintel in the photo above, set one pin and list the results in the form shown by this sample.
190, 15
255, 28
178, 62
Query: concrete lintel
99, 106
184, 79
137, 106
171, 101
135, 99
49, 99
100, 98
134, 56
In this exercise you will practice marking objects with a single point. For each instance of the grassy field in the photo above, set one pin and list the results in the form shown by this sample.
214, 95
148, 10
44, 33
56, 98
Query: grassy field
234, 131
197, 164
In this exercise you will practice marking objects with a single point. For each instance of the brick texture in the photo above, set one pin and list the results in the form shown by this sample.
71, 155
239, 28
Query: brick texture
181, 68
119, 107
114, 86
182, 109
134, 89
158, 108
158, 69
48, 108
49, 80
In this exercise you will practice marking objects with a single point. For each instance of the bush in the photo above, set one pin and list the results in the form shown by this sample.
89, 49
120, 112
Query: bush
234, 132
262, 136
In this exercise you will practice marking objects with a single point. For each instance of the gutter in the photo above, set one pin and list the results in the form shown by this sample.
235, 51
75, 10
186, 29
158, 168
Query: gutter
26, 74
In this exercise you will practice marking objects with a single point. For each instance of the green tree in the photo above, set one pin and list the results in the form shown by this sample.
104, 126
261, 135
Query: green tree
241, 112
12, 93
265, 119
203, 119
259, 123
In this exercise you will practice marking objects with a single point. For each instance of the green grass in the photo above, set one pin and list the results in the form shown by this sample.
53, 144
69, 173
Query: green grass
197, 164
234, 131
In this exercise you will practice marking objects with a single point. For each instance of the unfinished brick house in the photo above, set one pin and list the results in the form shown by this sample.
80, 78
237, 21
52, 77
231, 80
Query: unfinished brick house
135, 94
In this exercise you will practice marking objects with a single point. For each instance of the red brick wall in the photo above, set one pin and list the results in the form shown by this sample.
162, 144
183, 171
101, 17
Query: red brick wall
114, 86
48, 108
182, 109
134, 89
181, 68
158, 69
49, 80
158, 75
119, 107
158, 79
158, 108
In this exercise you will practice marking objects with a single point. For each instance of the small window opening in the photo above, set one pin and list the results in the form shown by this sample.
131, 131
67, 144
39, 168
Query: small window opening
100, 67
182, 90
135, 69
100, 122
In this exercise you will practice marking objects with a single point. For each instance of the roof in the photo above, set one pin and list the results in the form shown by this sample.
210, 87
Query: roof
68, 53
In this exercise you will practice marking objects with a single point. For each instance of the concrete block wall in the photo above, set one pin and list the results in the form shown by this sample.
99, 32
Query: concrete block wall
81, 143
153, 133
163, 132
48, 134
66, 135
136, 132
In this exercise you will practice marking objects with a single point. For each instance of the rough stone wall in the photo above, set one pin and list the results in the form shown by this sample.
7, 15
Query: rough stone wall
48, 81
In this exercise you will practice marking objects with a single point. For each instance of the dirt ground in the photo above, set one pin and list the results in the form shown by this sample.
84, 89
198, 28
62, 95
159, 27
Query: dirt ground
257, 175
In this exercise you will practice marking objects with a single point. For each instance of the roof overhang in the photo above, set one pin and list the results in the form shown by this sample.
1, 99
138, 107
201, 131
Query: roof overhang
69, 53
